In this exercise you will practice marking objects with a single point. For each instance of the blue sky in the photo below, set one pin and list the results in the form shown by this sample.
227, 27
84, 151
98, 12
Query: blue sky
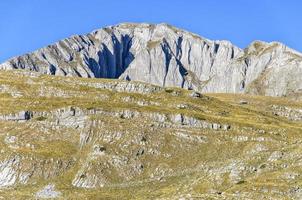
26, 25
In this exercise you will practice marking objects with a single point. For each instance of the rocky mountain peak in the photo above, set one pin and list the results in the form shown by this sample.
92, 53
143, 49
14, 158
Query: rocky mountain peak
164, 55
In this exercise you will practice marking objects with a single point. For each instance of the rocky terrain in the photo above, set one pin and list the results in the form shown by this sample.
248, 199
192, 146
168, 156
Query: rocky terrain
143, 111
167, 56
83, 138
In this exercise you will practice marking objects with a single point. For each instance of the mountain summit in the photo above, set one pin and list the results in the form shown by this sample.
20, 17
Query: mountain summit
167, 56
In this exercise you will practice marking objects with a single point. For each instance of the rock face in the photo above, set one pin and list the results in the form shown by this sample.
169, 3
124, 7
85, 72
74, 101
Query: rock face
167, 56
269, 69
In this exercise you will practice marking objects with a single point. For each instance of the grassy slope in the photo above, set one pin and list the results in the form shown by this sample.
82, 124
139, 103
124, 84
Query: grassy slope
40, 94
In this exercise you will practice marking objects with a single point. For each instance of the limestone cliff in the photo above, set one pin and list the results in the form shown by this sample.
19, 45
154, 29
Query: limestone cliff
167, 56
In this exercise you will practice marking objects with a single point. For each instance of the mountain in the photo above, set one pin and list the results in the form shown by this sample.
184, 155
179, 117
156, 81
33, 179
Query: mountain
167, 56
81, 138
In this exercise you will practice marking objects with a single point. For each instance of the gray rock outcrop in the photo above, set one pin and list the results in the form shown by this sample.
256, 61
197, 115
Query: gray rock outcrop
48, 192
168, 56
20, 116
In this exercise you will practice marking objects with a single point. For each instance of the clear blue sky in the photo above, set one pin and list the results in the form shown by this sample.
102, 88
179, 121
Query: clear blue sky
26, 25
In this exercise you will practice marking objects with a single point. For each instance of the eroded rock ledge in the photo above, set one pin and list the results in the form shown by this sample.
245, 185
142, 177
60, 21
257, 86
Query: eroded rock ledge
75, 117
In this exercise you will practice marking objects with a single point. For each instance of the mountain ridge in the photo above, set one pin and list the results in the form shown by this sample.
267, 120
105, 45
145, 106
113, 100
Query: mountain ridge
164, 55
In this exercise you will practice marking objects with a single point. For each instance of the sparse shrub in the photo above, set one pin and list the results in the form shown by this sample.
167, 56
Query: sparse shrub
41, 118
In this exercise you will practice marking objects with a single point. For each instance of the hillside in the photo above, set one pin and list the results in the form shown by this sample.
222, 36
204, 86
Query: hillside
81, 138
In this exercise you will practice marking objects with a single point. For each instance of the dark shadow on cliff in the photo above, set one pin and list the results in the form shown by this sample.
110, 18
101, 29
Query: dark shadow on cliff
111, 64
